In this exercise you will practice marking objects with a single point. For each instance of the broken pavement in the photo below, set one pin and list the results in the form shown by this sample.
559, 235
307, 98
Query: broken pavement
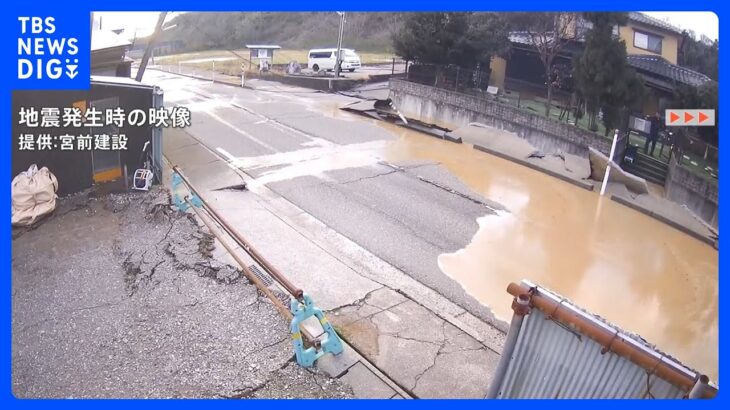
117, 297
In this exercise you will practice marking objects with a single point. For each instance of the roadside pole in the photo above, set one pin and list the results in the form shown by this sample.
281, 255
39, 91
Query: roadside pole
243, 75
213, 77
608, 164
338, 60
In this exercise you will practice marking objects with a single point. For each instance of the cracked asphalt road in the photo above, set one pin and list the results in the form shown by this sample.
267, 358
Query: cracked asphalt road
117, 297
328, 163
395, 215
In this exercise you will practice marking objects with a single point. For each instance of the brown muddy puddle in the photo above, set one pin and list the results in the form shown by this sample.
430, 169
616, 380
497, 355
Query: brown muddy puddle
638, 273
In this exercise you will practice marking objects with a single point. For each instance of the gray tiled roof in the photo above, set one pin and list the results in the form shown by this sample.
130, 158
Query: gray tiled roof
658, 66
653, 22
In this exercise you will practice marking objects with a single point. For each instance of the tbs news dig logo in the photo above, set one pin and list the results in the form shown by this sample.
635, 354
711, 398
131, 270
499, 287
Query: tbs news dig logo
42, 53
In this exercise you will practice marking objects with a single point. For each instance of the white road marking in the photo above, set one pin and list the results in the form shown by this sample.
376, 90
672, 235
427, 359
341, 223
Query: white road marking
230, 159
242, 132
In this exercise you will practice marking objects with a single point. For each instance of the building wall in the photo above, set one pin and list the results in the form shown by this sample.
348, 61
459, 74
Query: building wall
74, 169
453, 110
651, 103
670, 42
498, 67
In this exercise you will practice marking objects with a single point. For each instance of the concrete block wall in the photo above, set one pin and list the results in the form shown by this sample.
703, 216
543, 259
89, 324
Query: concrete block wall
698, 194
453, 110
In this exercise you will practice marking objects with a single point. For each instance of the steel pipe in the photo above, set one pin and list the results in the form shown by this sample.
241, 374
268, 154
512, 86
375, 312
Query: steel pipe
245, 245
246, 271
283, 310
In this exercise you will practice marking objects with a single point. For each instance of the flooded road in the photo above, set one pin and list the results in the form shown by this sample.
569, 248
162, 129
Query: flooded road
639, 273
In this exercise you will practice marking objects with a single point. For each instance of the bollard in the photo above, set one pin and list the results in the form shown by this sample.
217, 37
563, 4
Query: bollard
300, 312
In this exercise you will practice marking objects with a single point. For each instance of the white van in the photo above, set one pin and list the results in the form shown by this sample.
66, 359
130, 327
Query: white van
324, 59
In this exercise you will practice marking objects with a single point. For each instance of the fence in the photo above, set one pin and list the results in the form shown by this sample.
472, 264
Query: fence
450, 77
695, 154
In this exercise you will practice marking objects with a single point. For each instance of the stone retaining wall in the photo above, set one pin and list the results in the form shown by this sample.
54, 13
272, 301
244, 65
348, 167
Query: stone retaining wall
699, 194
452, 109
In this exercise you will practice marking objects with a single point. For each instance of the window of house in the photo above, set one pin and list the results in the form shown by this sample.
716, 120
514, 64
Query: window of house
648, 42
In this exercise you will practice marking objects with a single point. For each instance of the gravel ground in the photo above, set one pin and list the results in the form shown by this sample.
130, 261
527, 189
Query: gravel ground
118, 296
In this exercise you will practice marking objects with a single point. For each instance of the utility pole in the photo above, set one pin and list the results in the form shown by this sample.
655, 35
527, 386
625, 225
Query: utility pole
150, 46
338, 63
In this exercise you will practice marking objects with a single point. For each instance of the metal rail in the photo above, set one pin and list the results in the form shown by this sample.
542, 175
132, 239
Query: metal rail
243, 243
246, 271
308, 338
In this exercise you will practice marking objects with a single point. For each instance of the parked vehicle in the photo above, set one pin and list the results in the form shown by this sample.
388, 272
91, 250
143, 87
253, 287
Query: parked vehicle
324, 59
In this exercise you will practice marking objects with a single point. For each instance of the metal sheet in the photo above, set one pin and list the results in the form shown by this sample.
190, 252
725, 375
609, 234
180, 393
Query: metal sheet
551, 361
157, 102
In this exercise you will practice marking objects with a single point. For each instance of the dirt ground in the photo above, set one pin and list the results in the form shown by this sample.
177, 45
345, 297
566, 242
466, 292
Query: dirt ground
117, 296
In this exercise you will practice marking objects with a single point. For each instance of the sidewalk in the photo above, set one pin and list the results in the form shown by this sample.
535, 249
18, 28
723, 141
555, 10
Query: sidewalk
427, 345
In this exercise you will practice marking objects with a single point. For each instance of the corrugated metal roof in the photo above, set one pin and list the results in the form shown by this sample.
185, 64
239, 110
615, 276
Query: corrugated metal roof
550, 361
102, 40
119, 81
263, 46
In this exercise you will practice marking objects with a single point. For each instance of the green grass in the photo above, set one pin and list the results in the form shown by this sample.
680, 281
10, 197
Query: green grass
699, 169
538, 107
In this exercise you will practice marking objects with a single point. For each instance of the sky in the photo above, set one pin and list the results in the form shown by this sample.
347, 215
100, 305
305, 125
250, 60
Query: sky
143, 23
701, 22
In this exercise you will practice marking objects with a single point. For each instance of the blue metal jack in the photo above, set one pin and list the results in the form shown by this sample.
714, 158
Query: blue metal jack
301, 311
179, 202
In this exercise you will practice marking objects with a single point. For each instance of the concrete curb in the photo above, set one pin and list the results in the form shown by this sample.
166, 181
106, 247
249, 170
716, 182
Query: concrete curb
200, 78
579, 183
431, 132
627, 202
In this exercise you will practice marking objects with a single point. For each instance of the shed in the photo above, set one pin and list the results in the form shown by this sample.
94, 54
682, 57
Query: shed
262, 52
78, 169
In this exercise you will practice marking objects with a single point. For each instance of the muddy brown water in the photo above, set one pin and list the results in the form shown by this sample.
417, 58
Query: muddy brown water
638, 273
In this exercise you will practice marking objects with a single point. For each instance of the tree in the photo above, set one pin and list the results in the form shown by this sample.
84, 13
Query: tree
549, 33
429, 37
703, 97
463, 39
700, 55
603, 78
